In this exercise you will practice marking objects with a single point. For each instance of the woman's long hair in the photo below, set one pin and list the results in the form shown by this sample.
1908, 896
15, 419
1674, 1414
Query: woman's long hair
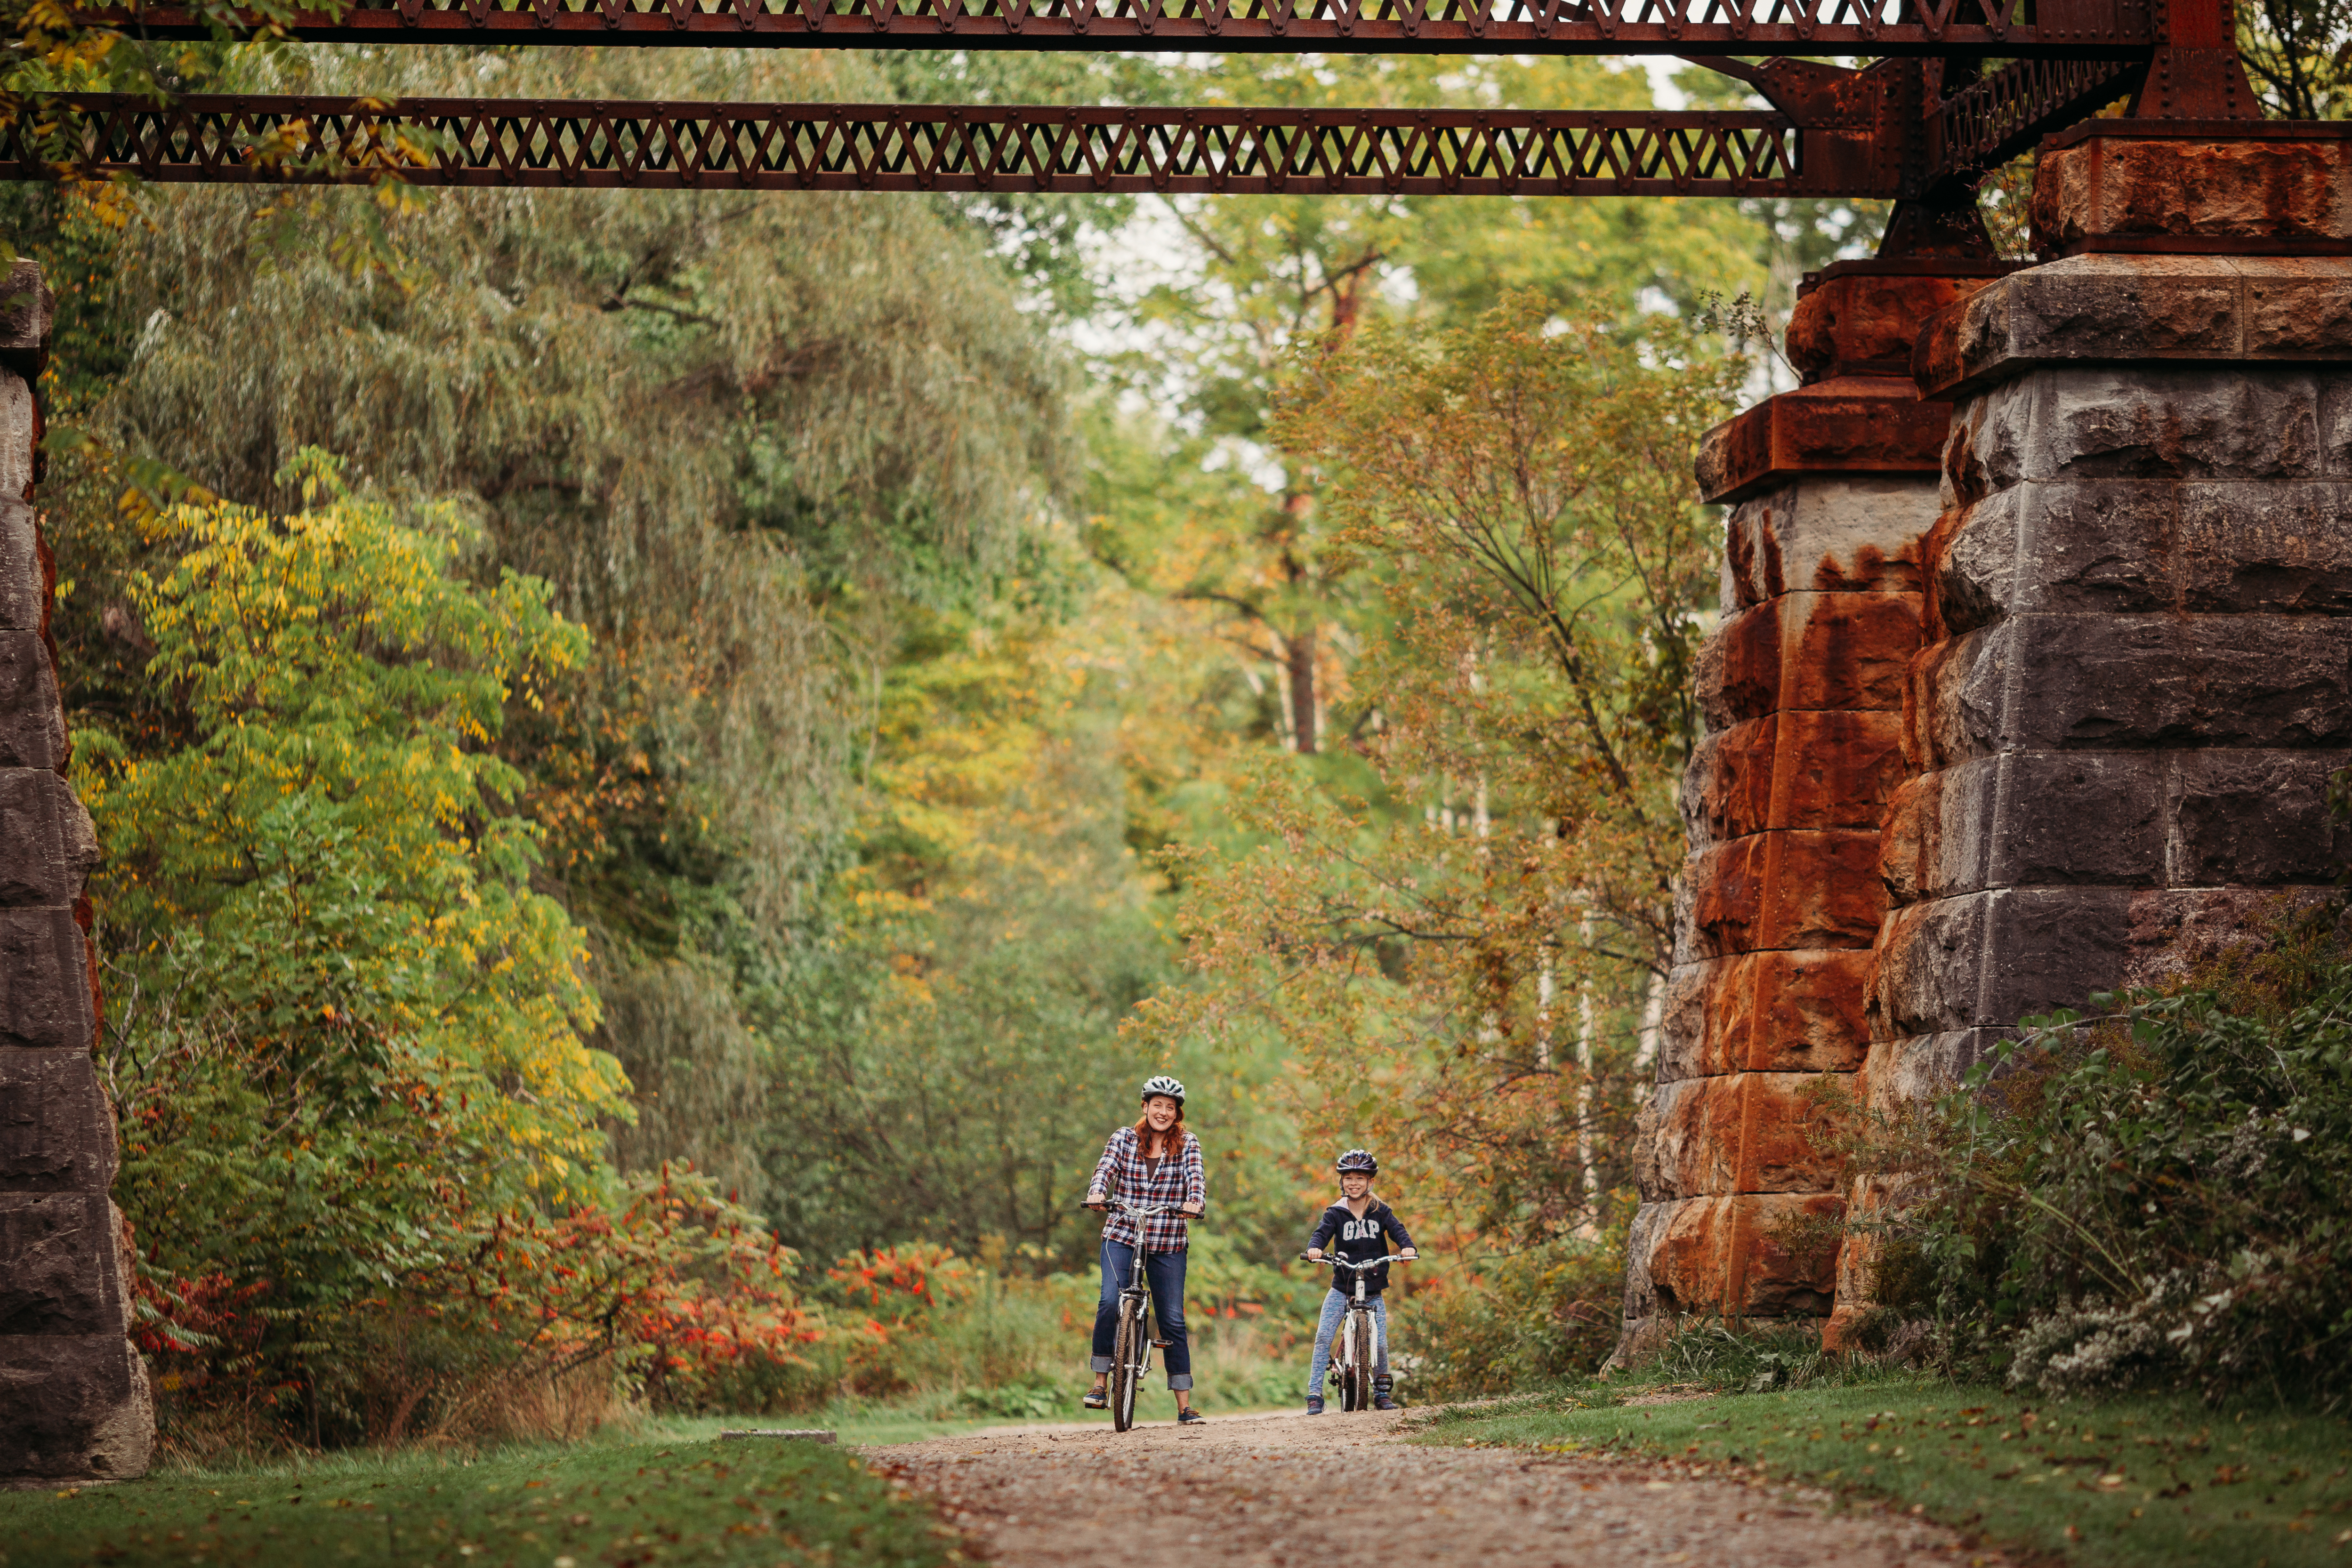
1154, 1145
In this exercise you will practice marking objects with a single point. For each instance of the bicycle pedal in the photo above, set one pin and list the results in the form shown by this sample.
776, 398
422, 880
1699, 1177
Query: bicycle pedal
1161, 1343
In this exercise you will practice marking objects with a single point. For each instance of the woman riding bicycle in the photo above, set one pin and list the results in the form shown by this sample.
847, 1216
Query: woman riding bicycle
1154, 1162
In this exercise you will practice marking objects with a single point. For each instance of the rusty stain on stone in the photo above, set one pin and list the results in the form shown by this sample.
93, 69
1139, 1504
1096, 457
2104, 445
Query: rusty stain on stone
1802, 688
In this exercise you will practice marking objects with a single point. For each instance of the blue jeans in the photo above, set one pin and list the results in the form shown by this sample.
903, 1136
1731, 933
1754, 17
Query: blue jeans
1335, 1306
1165, 1274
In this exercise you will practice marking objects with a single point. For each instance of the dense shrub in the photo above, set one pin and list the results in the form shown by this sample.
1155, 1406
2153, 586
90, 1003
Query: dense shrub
364, 1136
2161, 1193
956, 1335
1528, 1318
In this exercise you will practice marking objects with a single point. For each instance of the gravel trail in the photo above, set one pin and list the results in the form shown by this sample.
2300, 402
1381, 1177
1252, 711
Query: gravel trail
1280, 1491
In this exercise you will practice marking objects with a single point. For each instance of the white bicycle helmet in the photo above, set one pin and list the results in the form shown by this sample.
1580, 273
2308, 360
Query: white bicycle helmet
1358, 1160
1163, 1085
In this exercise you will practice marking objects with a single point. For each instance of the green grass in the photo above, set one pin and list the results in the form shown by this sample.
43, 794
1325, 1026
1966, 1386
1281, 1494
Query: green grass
629, 1505
1230, 1384
2148, 1481
865, 1423
873, 1425
677, 1497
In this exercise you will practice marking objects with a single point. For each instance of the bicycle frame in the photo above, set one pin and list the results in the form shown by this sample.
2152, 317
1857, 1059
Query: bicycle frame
1138, 1290
1135, 1299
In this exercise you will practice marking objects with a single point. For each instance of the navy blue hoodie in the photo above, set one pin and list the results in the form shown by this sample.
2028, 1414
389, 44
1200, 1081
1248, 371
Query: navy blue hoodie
1358, 1240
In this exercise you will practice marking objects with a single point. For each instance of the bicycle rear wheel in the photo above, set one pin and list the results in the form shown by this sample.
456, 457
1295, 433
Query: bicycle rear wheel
1127, 1363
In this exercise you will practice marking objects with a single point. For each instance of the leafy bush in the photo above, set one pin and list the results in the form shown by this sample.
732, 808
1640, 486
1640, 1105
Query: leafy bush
917, 1320
1224, 1286
1035, 1397
2161, 1195
1532, 1317
364, 1136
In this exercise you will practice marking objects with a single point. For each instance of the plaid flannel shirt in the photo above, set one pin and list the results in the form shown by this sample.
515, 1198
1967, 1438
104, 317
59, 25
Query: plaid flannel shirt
1125, 1174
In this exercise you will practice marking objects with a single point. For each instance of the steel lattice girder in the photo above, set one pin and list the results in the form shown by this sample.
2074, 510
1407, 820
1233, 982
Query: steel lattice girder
1951, 29
1986, 123
903, 147
1858, 152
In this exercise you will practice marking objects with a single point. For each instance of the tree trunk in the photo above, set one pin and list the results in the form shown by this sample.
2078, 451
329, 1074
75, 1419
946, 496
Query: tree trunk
1587, 1027
1301, 663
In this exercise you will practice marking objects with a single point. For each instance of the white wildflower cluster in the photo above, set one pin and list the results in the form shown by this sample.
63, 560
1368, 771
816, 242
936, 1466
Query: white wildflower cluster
2180, 1320
2102, 1347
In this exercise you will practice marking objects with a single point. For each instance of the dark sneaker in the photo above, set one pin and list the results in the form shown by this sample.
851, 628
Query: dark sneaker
1096, 1399
1382, 1389
1315, 1405
1188, 1416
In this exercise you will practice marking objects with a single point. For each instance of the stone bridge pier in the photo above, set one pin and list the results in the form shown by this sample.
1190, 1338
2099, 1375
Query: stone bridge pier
2054, 649
73, 1393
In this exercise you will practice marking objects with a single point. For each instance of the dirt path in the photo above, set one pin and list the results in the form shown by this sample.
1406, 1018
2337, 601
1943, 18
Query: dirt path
1274, 1492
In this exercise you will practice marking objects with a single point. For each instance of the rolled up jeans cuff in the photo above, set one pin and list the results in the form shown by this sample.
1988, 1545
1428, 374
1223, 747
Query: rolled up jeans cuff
1102, 1363
1181, 1380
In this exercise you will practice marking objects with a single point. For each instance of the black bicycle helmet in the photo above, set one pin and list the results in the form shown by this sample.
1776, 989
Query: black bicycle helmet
1163, 1085
1358, 1160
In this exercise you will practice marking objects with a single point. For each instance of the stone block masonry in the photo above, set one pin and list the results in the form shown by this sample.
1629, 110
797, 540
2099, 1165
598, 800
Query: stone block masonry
2137, 677
1802, 686
73, 1394
2140, 677
2057, 718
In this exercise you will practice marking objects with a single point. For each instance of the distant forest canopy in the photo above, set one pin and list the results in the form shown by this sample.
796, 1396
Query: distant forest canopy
914, 666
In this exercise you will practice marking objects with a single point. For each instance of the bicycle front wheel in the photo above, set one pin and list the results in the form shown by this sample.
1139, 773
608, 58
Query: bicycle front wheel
1127, 1364
1355, 1375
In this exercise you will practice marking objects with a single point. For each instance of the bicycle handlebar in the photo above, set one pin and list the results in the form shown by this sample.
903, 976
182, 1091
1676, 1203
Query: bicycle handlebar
1140, 1213
1367, 1264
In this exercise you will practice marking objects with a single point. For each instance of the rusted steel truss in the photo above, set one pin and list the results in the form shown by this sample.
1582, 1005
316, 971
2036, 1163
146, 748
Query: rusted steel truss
1986, 122
1919, 124
1866, 133
901, 147
2037, 28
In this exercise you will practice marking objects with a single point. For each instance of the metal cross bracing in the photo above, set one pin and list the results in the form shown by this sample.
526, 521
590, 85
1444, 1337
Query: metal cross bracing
2009, 28
900, 147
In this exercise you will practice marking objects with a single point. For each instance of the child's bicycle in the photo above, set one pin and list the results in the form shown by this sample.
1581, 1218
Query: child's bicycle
1355, 1350
1131, 1355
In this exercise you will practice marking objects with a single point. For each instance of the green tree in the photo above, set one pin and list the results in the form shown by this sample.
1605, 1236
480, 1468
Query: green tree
956, 1075
341, 1019
739, 436
2299, 55
1472, 985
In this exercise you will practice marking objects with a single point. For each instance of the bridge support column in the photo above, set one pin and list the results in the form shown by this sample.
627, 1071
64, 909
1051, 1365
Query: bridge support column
1833, 488
73, 1394
2137, 676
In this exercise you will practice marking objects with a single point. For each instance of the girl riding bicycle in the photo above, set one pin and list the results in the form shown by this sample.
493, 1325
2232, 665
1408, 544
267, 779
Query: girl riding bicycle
1154, 1162
1363, 1226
